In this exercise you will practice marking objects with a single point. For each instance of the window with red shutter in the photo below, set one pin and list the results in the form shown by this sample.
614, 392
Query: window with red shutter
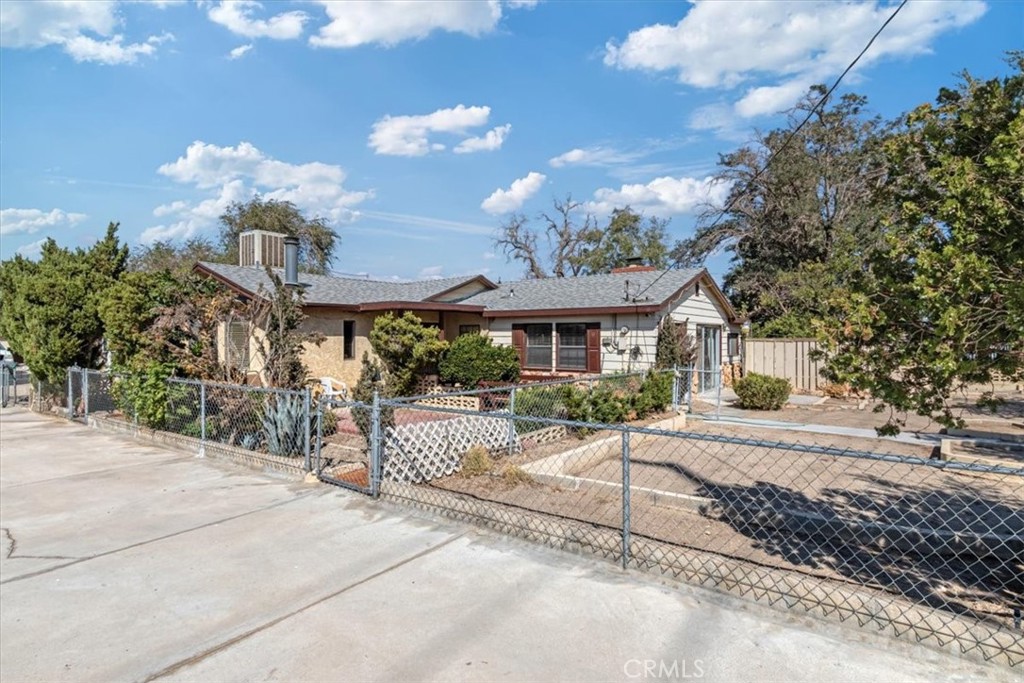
594, 348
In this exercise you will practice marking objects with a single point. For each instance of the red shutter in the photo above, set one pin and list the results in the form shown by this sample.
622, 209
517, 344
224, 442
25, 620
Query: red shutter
519, 342
594, 348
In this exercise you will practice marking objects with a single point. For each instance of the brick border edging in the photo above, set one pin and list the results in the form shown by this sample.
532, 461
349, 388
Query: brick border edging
263, 462
835, 602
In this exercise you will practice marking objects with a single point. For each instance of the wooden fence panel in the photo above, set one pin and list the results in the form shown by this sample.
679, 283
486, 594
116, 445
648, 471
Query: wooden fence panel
789, 359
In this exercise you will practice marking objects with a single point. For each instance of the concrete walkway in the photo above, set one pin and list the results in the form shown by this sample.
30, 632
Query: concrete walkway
123, 562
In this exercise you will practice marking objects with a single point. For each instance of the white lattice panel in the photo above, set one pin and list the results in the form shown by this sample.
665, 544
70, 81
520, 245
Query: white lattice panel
423, 451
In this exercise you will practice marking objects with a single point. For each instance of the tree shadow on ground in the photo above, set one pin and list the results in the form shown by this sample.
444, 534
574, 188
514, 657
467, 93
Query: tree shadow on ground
958, 550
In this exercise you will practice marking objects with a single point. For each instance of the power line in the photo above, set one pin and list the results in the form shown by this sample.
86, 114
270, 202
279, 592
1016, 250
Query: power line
824, 98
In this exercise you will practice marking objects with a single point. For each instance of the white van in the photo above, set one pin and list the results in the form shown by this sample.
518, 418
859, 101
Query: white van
6, 355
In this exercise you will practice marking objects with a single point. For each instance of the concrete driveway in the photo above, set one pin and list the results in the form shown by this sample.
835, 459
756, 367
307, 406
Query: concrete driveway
124, 562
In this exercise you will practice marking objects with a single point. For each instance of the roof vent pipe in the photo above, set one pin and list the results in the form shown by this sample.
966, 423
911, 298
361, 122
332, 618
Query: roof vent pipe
291, 261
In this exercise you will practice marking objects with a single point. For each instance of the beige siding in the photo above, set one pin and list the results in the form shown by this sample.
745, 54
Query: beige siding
328, 359
700, 309
452, 321
462, 292
255, 357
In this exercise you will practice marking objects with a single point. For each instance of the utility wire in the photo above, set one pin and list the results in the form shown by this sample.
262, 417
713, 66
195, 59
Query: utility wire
824, 98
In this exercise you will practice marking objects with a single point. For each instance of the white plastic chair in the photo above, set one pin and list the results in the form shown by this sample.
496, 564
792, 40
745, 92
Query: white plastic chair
334, 389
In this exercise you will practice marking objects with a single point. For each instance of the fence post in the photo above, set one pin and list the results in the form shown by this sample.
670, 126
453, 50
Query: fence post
319, 430
305, 406
689, 389
625, 498
675, 387
511, 422
85, 395
71, 396
718, 400
375, 447
202, 419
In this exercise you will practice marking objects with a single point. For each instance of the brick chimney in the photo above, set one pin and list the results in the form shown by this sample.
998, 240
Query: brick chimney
634, 268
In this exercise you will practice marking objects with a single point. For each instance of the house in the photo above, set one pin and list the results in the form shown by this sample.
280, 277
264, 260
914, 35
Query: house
591, 324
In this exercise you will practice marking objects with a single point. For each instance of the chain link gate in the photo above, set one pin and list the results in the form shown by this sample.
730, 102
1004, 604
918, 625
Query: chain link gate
89, 391
78, 409
348, 444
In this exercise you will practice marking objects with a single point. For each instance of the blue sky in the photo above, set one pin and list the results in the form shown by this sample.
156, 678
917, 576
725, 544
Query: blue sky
416, 128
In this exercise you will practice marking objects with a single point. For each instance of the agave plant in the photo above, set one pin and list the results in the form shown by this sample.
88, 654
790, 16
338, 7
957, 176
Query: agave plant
283, 425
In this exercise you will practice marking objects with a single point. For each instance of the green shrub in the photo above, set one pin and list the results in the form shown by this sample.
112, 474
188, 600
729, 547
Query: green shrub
761, 392
655, 394
329, 423
577, 404
473, 358
539, 402
607, 406
371, 379
143, 395
405, 348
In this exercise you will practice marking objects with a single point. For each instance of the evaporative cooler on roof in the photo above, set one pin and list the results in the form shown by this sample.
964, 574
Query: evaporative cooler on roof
261, 248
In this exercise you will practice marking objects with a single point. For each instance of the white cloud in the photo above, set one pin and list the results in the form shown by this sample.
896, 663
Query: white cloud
521, 4
28, 221
237, 17
665, 196
722, 119
595, 156
33, 250
112, 51
359, 22
170, 209
488, 255
430, 222
409, 136
239, 51
86, 31
793, 44
488, 143
512, 199
431, 273
236, 174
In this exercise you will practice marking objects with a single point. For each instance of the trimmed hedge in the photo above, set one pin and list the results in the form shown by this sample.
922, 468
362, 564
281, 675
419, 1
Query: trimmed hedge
473, 358
761, 392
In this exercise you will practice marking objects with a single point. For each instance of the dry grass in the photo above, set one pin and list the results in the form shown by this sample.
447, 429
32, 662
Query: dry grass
476, 461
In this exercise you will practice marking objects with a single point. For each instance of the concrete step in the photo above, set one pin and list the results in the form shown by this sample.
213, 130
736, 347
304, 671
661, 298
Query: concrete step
991, 451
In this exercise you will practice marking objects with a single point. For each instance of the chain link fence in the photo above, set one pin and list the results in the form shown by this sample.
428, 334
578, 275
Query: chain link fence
901, 536
876, 531
9, 381
258, 425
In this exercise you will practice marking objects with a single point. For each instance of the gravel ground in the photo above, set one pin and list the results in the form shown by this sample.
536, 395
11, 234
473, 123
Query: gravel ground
894, 527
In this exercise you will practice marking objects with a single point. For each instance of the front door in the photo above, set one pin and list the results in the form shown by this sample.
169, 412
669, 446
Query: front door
710, 340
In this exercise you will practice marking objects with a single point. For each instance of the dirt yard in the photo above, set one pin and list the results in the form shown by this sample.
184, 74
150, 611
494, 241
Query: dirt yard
947, 538
859, 414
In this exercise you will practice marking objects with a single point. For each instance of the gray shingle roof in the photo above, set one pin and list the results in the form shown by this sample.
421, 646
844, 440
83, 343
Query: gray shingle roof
586, 292
329, 290
591, 291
